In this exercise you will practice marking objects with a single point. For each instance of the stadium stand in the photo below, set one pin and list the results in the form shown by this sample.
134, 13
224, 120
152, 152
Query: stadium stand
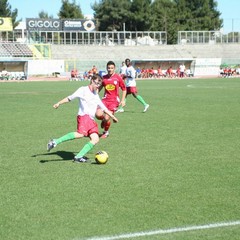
15, 49
4, 52
145, 52
117, 52
83, 56
63, 56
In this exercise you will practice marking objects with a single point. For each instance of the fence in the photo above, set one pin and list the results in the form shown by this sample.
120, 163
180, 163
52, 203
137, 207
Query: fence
209, 37
88, 38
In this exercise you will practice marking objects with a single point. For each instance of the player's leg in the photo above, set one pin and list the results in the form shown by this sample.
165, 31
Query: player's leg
100, 116
80, 157
106, 126
91, 130
141, 100
69, 136
112, 107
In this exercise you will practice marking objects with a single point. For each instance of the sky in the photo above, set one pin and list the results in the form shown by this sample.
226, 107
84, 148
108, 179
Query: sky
31, 8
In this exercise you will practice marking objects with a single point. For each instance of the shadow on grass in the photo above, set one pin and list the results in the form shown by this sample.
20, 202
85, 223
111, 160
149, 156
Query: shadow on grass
131, 111
65, 156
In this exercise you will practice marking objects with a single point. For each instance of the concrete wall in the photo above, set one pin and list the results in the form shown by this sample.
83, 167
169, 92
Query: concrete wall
207, 58
45, 67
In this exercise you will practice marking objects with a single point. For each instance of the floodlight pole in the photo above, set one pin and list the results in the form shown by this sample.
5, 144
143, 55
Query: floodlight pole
124, 31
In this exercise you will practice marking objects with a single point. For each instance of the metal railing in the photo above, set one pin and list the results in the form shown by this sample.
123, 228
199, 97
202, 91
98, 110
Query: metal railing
207, 37
99, 38
113, 38
89, 38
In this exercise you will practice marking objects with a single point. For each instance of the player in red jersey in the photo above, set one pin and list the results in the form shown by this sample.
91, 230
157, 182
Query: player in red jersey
112, 82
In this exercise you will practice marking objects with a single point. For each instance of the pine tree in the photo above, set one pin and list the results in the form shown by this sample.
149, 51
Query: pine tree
70, 10
6, 11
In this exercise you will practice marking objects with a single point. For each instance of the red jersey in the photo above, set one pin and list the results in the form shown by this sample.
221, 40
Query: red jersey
111, 85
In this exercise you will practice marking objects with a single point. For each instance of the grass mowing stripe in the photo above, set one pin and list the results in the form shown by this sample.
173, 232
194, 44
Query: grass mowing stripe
166, 231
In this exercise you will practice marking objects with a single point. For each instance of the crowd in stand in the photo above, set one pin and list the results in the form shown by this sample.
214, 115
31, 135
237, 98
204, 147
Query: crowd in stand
81, 76
180, 72
227, 72
5, 75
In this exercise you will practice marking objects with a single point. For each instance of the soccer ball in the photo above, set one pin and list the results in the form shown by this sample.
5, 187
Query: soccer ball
101, 157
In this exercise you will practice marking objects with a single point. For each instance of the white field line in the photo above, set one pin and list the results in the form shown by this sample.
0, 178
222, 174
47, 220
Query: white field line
166, 231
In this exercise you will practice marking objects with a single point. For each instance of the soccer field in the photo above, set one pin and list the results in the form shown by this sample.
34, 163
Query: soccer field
173, 172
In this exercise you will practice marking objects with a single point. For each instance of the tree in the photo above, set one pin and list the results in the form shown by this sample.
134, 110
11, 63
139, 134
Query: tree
6, 11
158, 15
141, 17
163, 18
70, 10
185, 15
112, 14
199, 15
44, 15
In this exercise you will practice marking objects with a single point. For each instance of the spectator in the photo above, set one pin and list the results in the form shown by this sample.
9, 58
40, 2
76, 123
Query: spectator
144, 73
5, 74
189, 73
123, 69
170, 72
138, 72
182, 70
94, 69
160, 72
74, 73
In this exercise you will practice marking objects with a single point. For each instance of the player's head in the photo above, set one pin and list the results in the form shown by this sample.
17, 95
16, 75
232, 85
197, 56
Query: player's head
111, 67
96, 80
110, 63
127, 61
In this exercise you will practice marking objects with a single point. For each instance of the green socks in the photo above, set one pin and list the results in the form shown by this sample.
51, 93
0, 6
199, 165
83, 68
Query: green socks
70, 136
67, 137
141, 100
88, 146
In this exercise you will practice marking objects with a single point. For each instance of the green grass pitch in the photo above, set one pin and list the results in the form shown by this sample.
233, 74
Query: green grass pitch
174, 166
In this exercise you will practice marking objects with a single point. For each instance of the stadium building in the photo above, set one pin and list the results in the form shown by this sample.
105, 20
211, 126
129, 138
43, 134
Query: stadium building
53, 47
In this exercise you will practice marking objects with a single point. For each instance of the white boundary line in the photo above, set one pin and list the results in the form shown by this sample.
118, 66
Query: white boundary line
166, 231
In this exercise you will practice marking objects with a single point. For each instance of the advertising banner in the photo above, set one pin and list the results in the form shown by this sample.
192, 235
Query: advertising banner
78, 25
38, 24
6, 24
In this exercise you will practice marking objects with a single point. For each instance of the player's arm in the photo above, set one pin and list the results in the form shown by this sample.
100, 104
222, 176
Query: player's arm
76, 94
64, 100
124, 92
122, 103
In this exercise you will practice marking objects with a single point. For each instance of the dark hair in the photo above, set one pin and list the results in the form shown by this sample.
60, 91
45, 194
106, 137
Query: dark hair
96, 76
127, 60
111, 63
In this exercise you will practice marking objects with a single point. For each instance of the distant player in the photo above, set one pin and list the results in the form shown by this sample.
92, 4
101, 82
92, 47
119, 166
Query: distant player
112, 82
130, 79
